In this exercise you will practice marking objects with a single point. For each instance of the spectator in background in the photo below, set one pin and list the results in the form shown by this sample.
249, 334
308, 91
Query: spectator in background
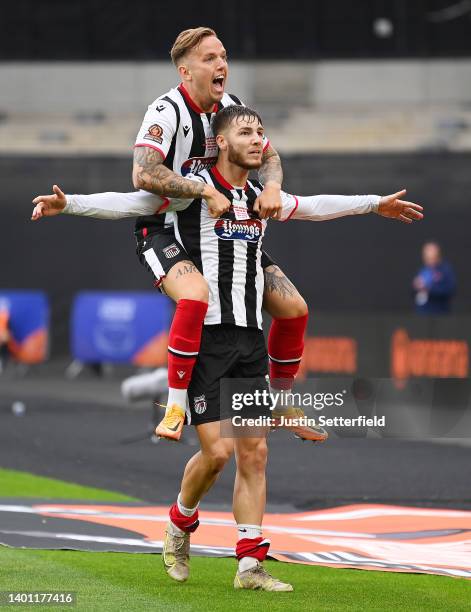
435, 283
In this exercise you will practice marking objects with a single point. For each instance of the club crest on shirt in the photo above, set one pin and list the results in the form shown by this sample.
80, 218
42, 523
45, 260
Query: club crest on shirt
197, 164
250, 230
154, 133
199, 404
171, 251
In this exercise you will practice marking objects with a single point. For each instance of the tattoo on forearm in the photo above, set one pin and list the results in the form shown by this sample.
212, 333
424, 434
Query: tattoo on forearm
151, 175
270, 169
277, 282
187, 269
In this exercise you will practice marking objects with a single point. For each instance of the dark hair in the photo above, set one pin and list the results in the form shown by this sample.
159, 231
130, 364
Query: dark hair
227, 115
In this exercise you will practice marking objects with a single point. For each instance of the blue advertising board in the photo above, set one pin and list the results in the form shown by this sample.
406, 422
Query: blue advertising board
26, 315
121, 327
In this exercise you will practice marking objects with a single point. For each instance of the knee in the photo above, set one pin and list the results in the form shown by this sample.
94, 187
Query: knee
253, 459
217, 458
197, 290
298, 307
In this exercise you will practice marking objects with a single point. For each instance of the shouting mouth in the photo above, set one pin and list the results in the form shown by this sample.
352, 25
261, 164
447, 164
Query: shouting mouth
218, 83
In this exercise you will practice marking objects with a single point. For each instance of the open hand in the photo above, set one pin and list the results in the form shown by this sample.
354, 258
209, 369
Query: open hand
49, 205
393, 207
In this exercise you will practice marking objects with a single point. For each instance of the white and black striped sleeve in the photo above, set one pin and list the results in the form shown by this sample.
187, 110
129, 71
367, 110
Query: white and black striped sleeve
158, 127
325, 207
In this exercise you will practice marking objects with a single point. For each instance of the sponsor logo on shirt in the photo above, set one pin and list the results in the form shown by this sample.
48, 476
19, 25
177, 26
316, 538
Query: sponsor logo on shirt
171, 251
154, 133
197, 164
250, 230
200, 404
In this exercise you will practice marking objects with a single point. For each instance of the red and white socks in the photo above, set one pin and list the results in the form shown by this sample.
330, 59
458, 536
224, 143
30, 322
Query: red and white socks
183, 519
285, 350
251, 547
183, 346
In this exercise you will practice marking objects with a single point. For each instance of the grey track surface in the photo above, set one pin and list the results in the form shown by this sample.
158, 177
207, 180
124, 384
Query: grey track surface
79, 431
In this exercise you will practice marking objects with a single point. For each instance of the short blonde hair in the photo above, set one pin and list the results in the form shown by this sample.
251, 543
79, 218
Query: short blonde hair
188, 40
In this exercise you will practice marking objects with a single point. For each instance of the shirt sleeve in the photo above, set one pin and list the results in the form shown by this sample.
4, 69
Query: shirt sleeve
112, 205
158, 127
325, 207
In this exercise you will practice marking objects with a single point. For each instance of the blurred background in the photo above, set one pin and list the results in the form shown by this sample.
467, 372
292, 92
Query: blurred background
358, 97
362, 97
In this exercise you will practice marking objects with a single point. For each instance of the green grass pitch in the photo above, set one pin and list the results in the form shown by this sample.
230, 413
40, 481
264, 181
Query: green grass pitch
118, 581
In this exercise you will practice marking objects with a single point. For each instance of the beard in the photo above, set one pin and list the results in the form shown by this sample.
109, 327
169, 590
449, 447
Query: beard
239, 159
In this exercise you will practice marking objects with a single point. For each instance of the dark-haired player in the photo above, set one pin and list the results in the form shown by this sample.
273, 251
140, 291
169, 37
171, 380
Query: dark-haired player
228, 251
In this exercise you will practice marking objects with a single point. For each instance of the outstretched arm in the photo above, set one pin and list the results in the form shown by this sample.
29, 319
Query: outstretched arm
107, 205
110, 205
325, 207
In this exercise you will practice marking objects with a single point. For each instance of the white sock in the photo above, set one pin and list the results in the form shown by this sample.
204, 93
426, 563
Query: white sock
186, 511
247, 563
174, 529
176, 396
248, 531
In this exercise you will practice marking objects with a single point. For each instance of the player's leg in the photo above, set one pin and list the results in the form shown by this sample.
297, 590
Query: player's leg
166, 258
217, 356
189, 290
203, 469
289, 314
201, 472
250, 483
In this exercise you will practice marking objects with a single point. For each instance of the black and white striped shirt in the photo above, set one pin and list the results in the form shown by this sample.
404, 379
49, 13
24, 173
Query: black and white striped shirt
227, 251
175, 126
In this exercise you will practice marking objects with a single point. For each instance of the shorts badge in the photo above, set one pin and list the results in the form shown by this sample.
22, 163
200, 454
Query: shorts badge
200, 404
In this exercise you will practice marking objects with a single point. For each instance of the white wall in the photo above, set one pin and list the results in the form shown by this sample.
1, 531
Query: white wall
118, 87
129, 87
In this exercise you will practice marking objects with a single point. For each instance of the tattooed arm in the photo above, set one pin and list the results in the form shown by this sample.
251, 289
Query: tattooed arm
150, 174
271, 170
268, 204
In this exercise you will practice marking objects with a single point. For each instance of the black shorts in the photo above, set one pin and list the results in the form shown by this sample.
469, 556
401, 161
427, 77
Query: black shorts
226, 351
160, 251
